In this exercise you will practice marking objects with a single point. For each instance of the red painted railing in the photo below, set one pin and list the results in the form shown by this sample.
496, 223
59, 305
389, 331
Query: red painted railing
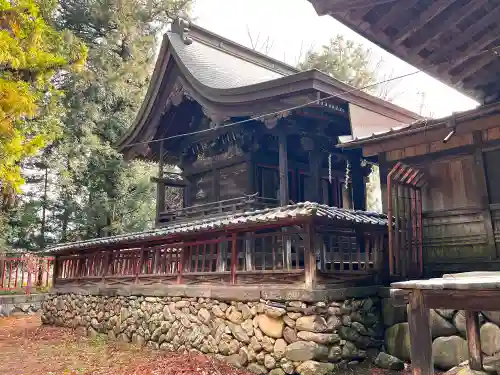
16, 276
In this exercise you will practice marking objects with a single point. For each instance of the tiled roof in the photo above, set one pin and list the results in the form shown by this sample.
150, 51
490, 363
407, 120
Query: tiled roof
217, 68
296, 211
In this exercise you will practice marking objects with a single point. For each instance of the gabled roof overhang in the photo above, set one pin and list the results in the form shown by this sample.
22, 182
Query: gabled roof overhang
174, 78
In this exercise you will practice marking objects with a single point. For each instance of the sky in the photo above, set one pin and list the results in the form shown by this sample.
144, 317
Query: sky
293, 27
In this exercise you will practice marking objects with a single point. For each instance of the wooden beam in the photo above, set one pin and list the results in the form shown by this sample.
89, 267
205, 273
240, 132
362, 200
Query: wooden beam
473, 340
169, 182
473, 68
437, 29
473, 299
283, 169
464, 36
420, 335
437, 7
474, 49
394, 14
436, 134
334, 6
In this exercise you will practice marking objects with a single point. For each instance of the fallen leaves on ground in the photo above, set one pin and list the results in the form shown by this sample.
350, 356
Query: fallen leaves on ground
27, 347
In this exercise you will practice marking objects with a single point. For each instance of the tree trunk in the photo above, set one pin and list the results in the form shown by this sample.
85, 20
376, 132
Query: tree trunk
43, 226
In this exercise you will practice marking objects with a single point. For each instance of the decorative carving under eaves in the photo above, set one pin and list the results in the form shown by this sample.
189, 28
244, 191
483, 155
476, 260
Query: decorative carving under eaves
270, 121
216, 119
176, 95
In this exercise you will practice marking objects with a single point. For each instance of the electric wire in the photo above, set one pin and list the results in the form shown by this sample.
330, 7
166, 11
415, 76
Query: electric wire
253, 118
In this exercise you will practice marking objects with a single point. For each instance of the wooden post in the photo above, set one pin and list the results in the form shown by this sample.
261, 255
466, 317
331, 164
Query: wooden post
314, 167
55, 271
310, 258
284, 197
358, 183
233, 258
180, 265
249, 249
222, 255
160, 187
383, 172
215, 183
473, 340
138, 268
250, 189
105, 266
420, 335
283, 169
347, 196
482, 187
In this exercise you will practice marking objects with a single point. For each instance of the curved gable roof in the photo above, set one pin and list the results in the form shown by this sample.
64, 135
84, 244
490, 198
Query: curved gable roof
227, 78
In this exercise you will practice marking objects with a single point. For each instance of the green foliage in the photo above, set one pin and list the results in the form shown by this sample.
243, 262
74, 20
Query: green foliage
343, 59
32, 52
91, 190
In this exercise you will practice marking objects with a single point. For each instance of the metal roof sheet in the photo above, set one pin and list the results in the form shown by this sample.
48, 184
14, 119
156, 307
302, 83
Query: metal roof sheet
265, 216
216, 68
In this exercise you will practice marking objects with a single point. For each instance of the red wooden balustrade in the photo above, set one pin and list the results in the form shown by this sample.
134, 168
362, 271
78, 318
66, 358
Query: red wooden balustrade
266, 255
14, 275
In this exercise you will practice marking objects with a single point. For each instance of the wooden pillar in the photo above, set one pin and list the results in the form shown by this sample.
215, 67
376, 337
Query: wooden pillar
383, 172
55, 270
234, 259
215, 183
315, 166
358, 184
222, 256
310, 257
160, 187
251, 189
473, 340
347, 196
482, 188
249, 249
283, 169
420, 335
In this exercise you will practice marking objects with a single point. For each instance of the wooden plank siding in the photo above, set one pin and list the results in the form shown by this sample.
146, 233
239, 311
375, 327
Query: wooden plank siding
461, 201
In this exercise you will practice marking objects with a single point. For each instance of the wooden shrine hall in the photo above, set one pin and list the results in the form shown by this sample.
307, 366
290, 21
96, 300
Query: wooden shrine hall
267, 198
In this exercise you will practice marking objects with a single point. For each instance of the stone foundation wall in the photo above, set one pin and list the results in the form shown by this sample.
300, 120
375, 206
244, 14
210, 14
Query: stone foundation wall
449, 347
20, 305
264, 337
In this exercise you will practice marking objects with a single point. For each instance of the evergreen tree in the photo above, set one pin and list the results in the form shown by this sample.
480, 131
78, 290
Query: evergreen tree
32, 53
102, 194
91, 190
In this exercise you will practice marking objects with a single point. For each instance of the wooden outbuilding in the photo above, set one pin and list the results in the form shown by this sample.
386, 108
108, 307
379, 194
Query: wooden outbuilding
267, 198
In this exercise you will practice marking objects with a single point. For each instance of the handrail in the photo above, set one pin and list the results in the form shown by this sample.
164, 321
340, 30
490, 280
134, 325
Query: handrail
229, 205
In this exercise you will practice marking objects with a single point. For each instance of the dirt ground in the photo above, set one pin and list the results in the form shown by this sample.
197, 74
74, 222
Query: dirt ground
27, 347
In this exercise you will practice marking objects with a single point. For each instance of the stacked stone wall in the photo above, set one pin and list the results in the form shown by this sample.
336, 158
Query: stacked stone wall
20, 305
265, 337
